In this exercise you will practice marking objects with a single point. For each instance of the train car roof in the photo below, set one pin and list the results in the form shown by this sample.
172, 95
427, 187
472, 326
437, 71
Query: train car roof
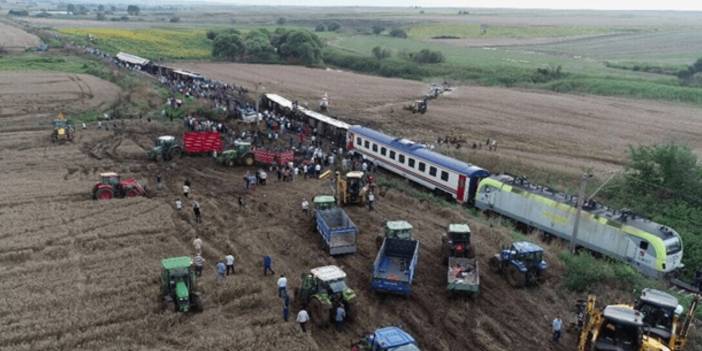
279, 100
325, 119
419, 150
597, 209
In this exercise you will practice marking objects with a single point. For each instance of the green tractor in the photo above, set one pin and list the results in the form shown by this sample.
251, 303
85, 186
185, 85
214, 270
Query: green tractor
394, 230
321, 291
240, 155
165, 148
178, 285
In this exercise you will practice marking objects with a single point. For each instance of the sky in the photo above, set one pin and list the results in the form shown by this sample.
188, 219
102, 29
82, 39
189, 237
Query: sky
682, 5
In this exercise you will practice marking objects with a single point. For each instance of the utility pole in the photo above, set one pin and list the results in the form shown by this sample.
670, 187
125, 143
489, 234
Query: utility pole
581, 198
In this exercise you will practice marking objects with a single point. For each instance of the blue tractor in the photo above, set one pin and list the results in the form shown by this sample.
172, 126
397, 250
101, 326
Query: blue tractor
522, 263
387, 339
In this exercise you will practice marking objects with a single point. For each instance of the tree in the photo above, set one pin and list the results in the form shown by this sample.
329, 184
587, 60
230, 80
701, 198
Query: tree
211, 35
377, 29
174, 19
258, 46
334, 26
101, 8
381, 53
281, 21
398, 33
320, 28
228, 45
297, 46
428, 56
101, 16
133, 10
71, 9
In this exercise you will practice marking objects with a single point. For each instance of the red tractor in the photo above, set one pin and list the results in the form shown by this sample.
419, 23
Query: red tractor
111, 185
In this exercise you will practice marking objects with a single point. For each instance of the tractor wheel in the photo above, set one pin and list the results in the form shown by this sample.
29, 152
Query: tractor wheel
103, 194
249, 160
196, 303
516, 278
319, 313
175, 152
54, 137
134, 192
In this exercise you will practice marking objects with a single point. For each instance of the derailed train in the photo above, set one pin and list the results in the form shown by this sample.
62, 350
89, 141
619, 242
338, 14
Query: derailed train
654, 249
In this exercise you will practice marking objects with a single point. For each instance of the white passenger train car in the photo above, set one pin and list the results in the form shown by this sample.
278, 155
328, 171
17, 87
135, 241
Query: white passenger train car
416, 162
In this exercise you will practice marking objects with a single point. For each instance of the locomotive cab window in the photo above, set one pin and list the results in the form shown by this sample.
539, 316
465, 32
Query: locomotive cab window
422, 166
432, 171
375, 147
358, 141
643, 245
366, 144
392, 154
383, 151
410, 162
444, 176
401, 158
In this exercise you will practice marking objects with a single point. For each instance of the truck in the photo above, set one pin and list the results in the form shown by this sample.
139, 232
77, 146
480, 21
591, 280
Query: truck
336, 229
387, 339
394, 266
463, 275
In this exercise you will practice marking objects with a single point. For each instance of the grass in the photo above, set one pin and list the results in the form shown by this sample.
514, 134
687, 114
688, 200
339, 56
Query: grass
153, 43
431, 30
52, 63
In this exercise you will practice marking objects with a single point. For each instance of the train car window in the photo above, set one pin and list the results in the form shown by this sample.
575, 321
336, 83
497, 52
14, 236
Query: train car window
383, 151
358, 141
392, 154
643, 245
444, 176
410, 162
422, 166
432, 171
401, 158
375, 147
366, 144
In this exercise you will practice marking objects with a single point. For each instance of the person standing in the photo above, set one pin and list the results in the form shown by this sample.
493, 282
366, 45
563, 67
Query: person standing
158, 181
197, 244
221, 269
305, 206
302, 319
317, 170
556, 326
286, 308
282, 286
186, 190
196, 211
179, 204
267, 263
199, 263
340, 317
371, 201
229, 259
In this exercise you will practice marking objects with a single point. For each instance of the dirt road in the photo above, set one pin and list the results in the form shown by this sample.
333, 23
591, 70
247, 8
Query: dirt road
15, 39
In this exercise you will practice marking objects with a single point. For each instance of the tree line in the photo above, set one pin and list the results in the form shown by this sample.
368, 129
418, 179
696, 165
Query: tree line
296, 46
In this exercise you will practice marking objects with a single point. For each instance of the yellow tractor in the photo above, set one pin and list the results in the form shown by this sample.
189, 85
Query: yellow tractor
622, 327
662, 319
352, 188
63, 129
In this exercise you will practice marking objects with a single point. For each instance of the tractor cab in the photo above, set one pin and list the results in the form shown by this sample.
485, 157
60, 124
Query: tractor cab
110, 178
355, 184
165, 147
332, 281
352, 188
241, 146
658, 310
164, 141
388, 339
398, 230
324, 202
529, 254
621, 329
177, 284
458, 240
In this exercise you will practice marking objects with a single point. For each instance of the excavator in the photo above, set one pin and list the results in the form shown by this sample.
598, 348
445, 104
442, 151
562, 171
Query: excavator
662, 319
625, 328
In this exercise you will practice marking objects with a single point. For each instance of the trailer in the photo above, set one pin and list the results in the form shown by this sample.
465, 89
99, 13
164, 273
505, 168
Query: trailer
394, 267
268, 157
335, 227
202, 142
463, 275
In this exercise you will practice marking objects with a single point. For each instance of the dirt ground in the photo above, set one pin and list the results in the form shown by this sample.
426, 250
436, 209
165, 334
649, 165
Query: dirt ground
15, 39
560, 132
84, 275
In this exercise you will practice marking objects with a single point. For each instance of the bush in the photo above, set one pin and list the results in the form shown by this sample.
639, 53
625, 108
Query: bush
281, 21
133, 10
381, 53
229, 46
297, 46
377, 29
334, 26
428, 56
174, 19
398, 33
211, 35
320, 28
21, 13
585, 272
101, 17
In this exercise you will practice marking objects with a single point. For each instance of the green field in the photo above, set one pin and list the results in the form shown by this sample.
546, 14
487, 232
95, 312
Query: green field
460, 30
152, 43
52, 63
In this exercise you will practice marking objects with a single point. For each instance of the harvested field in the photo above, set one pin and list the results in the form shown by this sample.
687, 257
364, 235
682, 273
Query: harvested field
555, 131
15, 39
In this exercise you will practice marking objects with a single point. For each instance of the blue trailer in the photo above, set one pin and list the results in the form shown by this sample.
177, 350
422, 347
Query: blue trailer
394, 267
335, 227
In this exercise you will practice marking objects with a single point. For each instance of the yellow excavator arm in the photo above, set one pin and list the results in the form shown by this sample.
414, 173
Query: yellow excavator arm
679, 338
593, 319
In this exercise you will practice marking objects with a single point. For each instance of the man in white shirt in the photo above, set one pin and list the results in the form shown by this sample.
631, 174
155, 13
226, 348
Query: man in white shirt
371, 201
179, 204
317, 169
197, 244
556, 325
229, 261
186, 190
282, 286
305, 206
303, 318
